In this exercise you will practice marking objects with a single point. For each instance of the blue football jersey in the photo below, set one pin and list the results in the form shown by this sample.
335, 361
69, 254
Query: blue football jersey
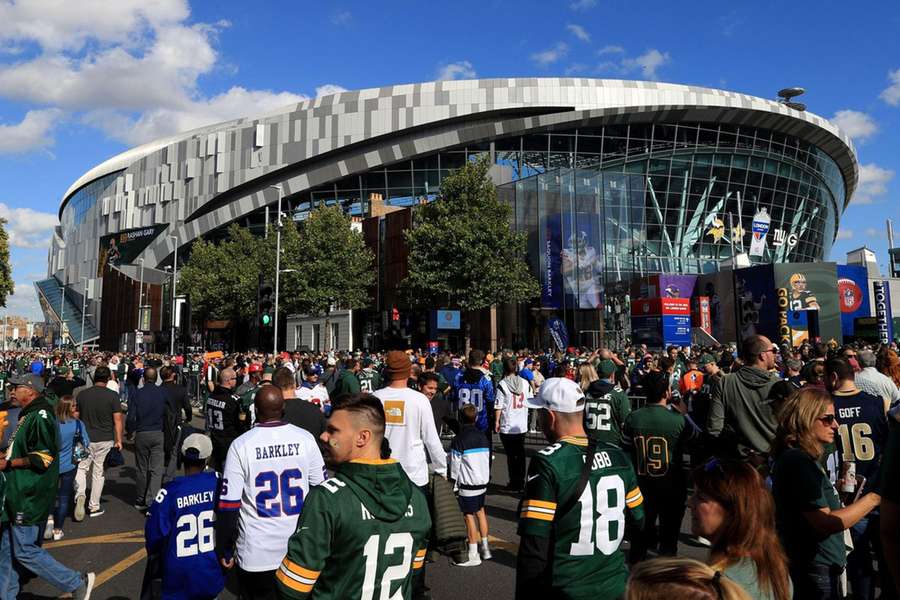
862, 430
480, 394
180, 529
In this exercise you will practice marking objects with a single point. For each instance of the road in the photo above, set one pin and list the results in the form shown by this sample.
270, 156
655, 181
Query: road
112, 546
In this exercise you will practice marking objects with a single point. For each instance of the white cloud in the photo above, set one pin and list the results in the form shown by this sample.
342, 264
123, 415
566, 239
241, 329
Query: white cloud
579, 32
845, 234
873, 182
583, 4
550, 55
458, 70
891, 94
328, 89
858, 125
872, 232
611, 50
342, 18
23, 302
28, 228
32, 133
648, 62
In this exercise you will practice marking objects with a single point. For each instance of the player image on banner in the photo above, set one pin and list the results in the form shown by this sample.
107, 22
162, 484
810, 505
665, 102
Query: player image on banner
581, 262
800, 297
755, 297
812, 288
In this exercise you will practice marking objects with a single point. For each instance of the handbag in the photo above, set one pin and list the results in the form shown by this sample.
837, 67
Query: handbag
79, 450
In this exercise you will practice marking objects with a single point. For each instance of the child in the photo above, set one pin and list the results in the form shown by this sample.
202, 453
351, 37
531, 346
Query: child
470, 470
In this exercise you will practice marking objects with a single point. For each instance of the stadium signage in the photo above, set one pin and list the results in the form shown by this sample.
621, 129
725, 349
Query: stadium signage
784, 330
883, 311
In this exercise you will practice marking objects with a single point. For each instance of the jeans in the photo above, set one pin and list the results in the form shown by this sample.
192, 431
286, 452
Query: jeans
19, 548
149, 459
97, 452
63, 497
514, 445
860, 562
816, 582
257, 585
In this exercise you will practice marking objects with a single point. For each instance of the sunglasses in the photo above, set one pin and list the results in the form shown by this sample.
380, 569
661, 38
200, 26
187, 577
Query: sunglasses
828, 419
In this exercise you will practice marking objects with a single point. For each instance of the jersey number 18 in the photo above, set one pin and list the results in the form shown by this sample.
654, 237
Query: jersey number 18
607, 500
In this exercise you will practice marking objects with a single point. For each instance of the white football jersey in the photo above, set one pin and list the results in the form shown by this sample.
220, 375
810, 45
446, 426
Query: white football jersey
317, 395
268, 473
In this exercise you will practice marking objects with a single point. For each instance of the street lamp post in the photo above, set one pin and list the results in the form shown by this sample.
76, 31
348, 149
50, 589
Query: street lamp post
140, 293
174, 283
277, 267
62, 310
84, 307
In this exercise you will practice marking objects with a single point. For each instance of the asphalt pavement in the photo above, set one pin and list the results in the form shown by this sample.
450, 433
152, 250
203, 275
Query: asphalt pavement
111, 545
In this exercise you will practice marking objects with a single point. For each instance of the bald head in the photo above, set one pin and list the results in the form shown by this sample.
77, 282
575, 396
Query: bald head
227, 378
269, 404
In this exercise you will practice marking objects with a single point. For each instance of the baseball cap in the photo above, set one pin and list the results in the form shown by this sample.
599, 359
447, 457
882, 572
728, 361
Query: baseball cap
62, 370
29, 380
196, 447
254, 368
706, 359
559, 394
606, 368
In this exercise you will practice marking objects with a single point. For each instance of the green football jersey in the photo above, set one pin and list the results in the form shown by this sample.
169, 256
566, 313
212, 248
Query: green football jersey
30, 493
604, 414
361, 534
657, 438
369, 380
586, 562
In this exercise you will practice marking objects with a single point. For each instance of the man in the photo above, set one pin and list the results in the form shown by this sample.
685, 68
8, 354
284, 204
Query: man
65, 382
179, 527
299, 413
362, 534
562, 554
691, 381
428, 384
792, 369
801, 298
657, 439
178, 412
740, 415
347, 382
224, 418
863, 431
146, 419
606, 406
678, 367
312, 389
268, 473
874, 382
100, 410
409, 423
474, 386
527, 373
32, 472
247, 390
369, 379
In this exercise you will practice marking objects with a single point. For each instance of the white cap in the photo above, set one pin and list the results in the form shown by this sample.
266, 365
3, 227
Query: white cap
559, 394
196, 447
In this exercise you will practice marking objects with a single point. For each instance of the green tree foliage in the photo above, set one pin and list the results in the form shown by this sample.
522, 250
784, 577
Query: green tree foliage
7, 286
462, 251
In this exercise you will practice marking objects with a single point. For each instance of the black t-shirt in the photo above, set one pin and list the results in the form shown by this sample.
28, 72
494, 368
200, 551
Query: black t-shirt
96, 406
305, 415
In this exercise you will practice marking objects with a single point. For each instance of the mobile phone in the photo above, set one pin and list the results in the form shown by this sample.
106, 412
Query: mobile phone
860, 486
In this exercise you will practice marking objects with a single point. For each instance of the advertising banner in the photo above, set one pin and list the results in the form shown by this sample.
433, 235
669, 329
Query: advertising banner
677, 286
123, 248
572, 261
812, 286
558, 332
760, 229
447, 319
719, 288
660, 322
755, 302
853, 296
700, 315
883, 313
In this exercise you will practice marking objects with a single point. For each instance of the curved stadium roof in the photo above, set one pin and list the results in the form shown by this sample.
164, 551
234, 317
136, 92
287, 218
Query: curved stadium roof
320, 140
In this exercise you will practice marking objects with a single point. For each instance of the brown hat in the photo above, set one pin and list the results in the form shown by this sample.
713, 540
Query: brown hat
398, 366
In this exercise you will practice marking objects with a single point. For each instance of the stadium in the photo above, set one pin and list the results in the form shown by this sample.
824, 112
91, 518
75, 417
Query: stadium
611, 179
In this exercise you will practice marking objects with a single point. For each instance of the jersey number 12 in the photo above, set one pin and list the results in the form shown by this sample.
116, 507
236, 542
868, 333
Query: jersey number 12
396, 573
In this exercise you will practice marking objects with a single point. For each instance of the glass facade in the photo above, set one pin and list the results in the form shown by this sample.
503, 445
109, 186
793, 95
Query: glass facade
80, 203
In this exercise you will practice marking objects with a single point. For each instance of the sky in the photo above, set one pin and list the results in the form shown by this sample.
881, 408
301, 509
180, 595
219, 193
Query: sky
82, 81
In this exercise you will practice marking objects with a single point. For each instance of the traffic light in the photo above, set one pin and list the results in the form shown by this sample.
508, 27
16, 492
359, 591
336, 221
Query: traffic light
266, 304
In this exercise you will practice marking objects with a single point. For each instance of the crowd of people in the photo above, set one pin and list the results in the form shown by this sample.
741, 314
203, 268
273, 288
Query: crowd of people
326, 475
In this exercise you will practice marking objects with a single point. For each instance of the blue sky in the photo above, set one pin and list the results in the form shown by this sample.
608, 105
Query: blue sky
81, 81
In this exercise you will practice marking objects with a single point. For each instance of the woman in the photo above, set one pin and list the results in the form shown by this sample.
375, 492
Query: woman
586, 376
810, 518
70, 427
888, 364
511, 422
732, 508
676, 578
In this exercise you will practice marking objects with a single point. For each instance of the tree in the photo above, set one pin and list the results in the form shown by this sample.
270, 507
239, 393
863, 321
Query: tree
334, 266
462, 251
7, 286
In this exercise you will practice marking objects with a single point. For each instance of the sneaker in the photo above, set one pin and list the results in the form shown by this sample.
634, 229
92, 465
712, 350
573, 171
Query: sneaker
141, 507
473, 561
96, 513
79, 508
58, 534
48, 530
485, 552
87, 586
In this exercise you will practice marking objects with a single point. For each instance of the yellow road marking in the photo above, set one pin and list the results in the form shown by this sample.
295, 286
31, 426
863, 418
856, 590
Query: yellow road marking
120, 566
123, 537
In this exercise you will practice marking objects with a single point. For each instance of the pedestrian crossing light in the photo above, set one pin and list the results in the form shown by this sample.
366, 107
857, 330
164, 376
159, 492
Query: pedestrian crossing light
265, 304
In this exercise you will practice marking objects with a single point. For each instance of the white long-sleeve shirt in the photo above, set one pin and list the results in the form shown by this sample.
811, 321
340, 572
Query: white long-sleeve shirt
411, 431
